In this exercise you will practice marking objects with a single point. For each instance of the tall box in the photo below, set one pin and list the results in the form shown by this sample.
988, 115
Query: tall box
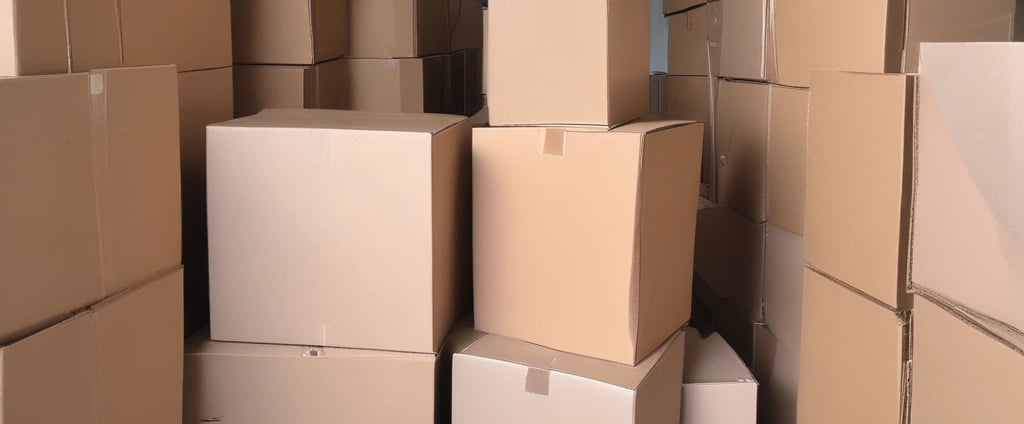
717, 386
857, 223
293, 261
320, 86
503, 381
303, 32
116, 362
399, 85
729, 256
968, 241
192, 34
583, 62
398, 28
741, 145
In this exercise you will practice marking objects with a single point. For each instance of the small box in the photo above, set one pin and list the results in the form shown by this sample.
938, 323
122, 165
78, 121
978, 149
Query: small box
717, 386
192, 34
46, 36
400, 85
304, 32
399, 28
688, 50
747, 43
321, 86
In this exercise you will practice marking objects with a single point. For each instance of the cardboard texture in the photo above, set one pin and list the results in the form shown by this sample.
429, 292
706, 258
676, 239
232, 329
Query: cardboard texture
857, 223
400, 28
965, 369
543, 235
281, 187
777, 369
465, 25
741, 143
466, 82
746, 44
672, 6
688, 52
852, 348
692, 99
729, 256
399, 85
116, 362
787, 157
783, 285
583, 62
33, 37
278, 32
260, 383
877, 35
322, 86
205, 97
501, 380
94, 34
192, 34
91, 169
967, 236
717, 386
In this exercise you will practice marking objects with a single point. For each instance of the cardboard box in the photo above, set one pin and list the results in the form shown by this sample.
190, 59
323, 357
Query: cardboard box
783, 284
261, 383
672, 6
857, 222
205, 97
747, 47
741, 143
289, 32
398, 29
877, 35
692, 99
501, 380
852, 347
787, 157
322, 86
717, 386
96, 206
777, 369
54, 36
466, 82
116, 362
465, 25
604, 272
729, 256
688, 52
94, 33
281, 187
485, 50
966, 369
967, 235
399, 85
583, 62
193, 34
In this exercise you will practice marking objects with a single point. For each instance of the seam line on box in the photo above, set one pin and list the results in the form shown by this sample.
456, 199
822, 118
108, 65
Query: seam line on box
858, 291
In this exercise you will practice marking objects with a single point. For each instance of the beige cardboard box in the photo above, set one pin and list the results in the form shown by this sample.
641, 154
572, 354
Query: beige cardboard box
692, 99
672, 6
747, 47
466, 82
399, 85
968, 241
321, 86
852, 348
399, 28
741, 143
501, 380
777, 369
783, 284
193, 34
465, 25
94, 33
787, 157
92, 183
115, 362
858, 181
688, 52
289, 32
282, 185
582, 239
877, 35
52, 36
260, 383
582, 62
966, 368
717, 386
729, 256
205, 97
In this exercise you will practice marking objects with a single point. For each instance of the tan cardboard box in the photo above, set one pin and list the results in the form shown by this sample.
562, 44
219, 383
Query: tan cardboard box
193, 34
282, 185
741, 143
783, 284
289, 32
688, 52
485, 51
582, 239
398, 28
115, 362
465, 25
852, 348
966, 368
92, 184
501, 380
787, 157
859, 174
968, 241
877, 35
582, 62
260, 383
717, 386
729, 256
747, 47
52, 36
399, 85
672, 6
777, 369
466, 82
321, 86
94, 34
692, 99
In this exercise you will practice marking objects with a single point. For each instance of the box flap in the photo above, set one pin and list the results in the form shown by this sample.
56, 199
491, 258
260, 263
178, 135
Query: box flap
346, 120
712, 361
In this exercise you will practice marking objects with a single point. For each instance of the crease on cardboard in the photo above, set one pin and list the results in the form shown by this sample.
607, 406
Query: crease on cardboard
67, 35
914, 166
906, 35
634, 278
975, 319
907, 370
901, 315
904, 299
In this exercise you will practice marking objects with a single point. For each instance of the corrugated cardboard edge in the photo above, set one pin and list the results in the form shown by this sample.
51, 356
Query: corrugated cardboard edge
977, 320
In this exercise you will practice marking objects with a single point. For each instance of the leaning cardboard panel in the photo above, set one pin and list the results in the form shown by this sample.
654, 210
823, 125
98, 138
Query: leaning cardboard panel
877, 35
967, 236
289, 32
854, 357
502, 381
583, 62
321, 86
717, 386
582, 239
966, 369
398, 28
729, 256
33, 37
857, 221
787, 157
399, 85
741, 144
293, 260
692, 99
116, 362
192, 34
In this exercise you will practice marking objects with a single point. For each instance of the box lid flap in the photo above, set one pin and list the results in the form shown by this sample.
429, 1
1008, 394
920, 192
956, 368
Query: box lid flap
346, 120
